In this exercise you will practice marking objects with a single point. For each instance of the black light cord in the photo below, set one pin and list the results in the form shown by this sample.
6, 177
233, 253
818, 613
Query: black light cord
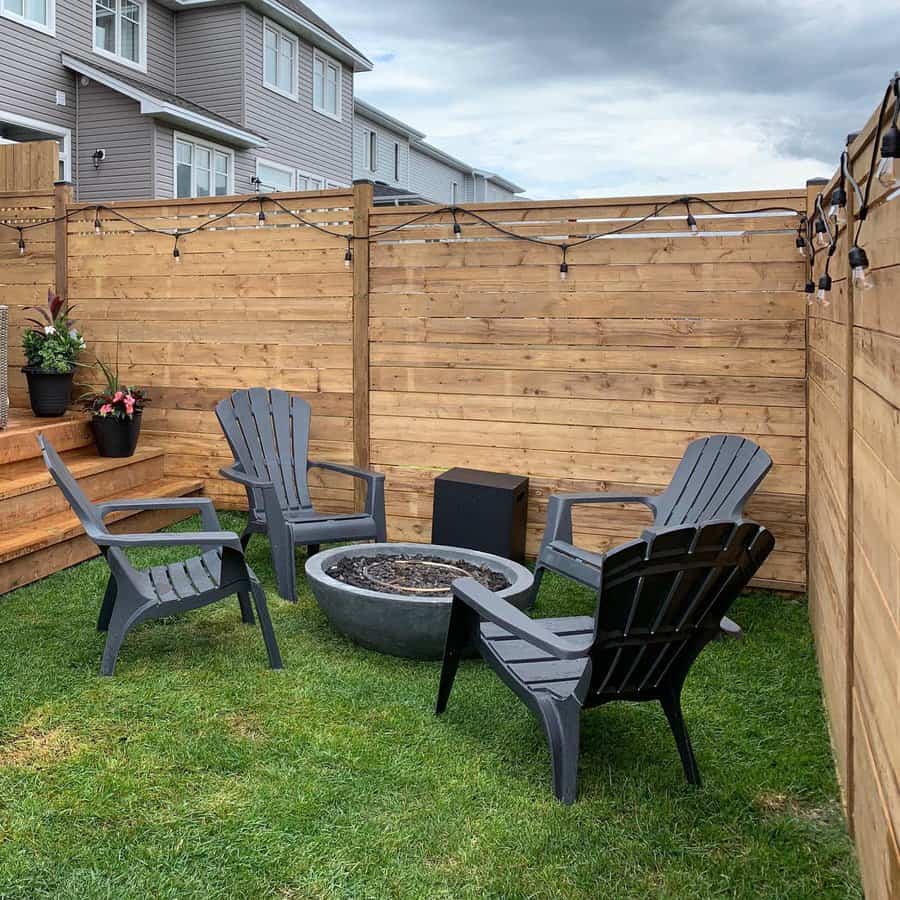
892, 88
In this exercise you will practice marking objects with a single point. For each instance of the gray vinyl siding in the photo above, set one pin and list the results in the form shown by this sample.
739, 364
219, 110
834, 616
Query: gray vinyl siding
296, 134
496, 194
107, 119
432, 178
209, 68
164, 162
386, 140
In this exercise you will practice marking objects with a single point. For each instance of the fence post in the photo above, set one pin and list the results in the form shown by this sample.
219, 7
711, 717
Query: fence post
62, 198
362, 202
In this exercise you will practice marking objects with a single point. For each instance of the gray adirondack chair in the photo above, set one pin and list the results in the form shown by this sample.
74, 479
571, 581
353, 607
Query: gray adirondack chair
660, 601
138, 595
268, 432
714, 480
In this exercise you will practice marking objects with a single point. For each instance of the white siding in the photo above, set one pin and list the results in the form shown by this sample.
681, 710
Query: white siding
432, 179
386, 140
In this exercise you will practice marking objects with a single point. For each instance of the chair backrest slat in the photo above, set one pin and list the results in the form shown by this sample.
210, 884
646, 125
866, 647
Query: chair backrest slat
661, 600
713, 481
268, 432
87, 513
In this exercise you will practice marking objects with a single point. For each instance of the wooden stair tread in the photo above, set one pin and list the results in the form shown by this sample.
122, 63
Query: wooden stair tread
28, 475
39, 534
18, 440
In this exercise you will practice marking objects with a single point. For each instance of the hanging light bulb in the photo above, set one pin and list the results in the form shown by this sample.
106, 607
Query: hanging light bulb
21, 244
837, 212
98, 226
348, 257
176, 253
889, 170
824, 289
810, 287
822, 238
260, 216
457, 230
564, 272
859, 267
801, 244
692, 224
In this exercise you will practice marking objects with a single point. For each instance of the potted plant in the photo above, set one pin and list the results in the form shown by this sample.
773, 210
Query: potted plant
115, 414
51, 352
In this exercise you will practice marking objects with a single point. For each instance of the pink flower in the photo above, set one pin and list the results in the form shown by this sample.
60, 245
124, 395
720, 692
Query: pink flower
118, 396
129, 404
106, 409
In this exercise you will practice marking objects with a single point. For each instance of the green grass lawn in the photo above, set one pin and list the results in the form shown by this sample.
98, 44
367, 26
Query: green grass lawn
196, 772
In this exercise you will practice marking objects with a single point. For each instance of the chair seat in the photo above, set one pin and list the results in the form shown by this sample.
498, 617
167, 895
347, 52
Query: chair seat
184, 579
535, 668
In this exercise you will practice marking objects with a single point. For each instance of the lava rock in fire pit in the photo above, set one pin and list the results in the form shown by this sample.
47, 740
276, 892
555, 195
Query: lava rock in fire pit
423, 576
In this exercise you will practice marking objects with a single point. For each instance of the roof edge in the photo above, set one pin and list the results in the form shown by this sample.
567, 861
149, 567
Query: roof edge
383, 118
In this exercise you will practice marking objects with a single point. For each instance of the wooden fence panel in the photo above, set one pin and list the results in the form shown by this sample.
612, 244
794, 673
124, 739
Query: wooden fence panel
854, 526
482, 357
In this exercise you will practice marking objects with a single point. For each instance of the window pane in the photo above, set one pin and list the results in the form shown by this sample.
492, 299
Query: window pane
36, 11
14, 6
183, 180
274, 179
319, 84
105, 25
131, 31
185, 152
331, 97
286, 69
203, 166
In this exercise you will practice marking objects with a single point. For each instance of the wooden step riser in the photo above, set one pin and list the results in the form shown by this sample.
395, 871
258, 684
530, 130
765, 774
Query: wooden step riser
18, 444
37, 565
49, 500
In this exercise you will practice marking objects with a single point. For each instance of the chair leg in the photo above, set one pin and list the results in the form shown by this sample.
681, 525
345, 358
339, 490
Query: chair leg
284, 561
536, 586
671, 704
459, 631
246, 608
562, 723
265, 624
106, 610
245, 537
119, 624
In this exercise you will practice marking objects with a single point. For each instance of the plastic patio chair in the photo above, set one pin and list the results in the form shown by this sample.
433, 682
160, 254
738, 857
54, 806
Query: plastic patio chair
136, 595
268, 432
660, 601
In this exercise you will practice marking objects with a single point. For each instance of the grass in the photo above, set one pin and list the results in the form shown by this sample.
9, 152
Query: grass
199, 773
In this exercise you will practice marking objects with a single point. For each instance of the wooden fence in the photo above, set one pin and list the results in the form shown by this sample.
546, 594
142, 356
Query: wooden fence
482, 357
854, 525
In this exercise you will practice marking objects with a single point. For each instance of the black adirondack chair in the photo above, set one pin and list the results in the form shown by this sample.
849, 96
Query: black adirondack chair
713, 481
138, 595
268, 433
660, 601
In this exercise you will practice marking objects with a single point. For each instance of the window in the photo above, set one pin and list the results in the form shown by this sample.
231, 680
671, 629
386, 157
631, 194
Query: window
279, 60
307, 182
15, 129
201, 169
120, 31
396, 162
370, 150
454, 193
39, 14
273, 177
326, 85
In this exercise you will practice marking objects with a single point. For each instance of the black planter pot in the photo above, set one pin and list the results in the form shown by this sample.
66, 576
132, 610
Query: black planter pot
116, 437
49, 392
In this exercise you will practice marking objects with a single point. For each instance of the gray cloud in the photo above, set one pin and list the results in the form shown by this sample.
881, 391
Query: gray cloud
597, 96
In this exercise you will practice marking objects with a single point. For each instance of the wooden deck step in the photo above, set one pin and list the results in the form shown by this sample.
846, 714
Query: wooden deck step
45, 545
28, 492
18, 440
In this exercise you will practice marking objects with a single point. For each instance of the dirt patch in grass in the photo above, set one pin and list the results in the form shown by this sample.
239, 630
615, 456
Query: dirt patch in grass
244, 725
37, 747
818, 814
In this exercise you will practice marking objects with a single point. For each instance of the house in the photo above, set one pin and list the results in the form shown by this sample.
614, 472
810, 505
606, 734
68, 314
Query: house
163, 98
193, 98
407, 170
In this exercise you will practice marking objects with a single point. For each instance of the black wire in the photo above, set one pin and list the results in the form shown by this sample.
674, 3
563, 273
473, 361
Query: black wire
892, 88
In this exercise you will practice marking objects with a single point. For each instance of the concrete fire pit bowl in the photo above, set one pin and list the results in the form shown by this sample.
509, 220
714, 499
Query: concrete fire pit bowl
401, 624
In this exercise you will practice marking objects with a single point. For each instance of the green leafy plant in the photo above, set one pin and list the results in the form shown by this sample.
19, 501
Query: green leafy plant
118, 400
54, 343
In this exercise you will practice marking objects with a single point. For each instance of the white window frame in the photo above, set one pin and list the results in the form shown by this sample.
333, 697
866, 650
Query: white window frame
49, 28
281, 168
141, 64
65, 155
311, 176
454, 193
213, 148
370, 150
328, 61
285, 35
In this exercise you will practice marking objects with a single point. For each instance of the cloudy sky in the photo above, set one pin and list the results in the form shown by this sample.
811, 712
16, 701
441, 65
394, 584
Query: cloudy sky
590, 97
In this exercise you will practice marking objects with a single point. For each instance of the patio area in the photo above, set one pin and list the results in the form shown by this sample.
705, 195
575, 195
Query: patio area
197, 772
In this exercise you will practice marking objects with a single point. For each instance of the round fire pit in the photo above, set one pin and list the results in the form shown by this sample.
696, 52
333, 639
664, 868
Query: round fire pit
395, 598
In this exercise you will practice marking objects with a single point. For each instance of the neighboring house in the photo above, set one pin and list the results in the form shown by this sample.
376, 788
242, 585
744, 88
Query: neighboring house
260, 89
406, 169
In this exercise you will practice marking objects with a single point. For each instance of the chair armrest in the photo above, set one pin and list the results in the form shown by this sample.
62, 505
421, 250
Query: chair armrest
352, 471
494, 608
236, 473
207, 539
208, 516
559, 512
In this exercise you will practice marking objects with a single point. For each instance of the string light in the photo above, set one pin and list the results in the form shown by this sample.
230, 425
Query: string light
564, 265
889, 170
21, 242
261, 215
837, 212
348, 256
98, 227
176, 253
822, 238
824, 289
457, 228
859, 267
691, 221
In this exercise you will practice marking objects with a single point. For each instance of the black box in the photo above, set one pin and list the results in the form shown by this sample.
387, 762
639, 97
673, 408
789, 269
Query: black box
481, 511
